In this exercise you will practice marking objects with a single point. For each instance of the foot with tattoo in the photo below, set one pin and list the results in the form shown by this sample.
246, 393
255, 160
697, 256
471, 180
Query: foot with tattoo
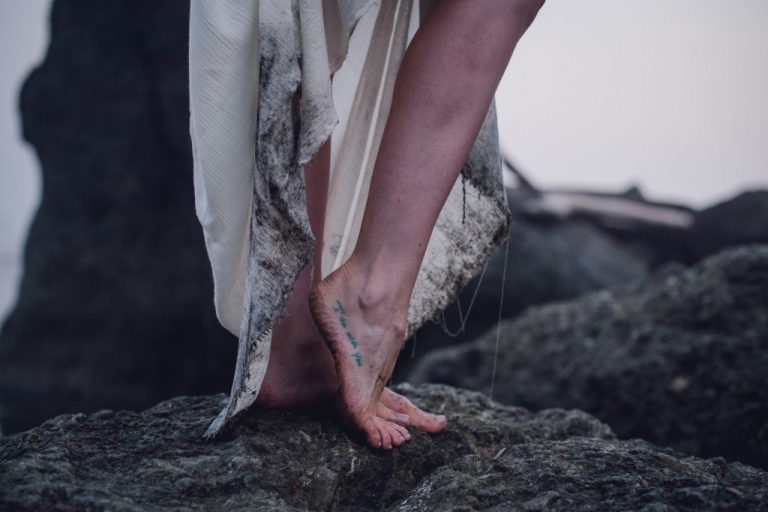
364, 331
301, 371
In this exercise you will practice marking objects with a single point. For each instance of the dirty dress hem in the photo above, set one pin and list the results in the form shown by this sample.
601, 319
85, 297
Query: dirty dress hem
262, 103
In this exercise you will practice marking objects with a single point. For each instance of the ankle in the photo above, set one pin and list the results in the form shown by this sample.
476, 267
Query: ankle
382, 294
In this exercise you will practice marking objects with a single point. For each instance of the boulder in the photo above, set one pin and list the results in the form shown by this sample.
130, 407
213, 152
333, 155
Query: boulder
116, 303
545, 262
680, 360
740, 220
491, 457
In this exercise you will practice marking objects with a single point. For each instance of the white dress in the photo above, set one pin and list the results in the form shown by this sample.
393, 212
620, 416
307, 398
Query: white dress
262, 104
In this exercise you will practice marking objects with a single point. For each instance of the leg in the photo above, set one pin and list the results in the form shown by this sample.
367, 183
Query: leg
443, 91
301, 370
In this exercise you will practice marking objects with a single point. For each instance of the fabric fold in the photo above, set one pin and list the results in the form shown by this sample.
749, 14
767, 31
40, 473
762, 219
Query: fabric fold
275, 62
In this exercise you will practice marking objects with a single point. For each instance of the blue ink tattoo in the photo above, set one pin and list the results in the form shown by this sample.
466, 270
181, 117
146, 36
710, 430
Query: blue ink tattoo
339, 309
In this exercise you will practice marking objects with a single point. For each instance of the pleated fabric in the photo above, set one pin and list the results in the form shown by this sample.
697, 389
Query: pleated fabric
262, 104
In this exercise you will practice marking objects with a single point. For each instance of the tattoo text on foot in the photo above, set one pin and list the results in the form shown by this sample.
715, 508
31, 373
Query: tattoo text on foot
340, 311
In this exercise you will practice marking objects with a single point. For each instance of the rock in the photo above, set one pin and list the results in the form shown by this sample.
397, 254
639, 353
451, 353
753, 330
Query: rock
740, 220
545, 262
491, 457
116, 303
655, 229
680, 360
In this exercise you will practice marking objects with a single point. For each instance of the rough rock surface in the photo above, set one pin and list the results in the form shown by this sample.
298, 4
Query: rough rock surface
491, 457
681, 360
116, 304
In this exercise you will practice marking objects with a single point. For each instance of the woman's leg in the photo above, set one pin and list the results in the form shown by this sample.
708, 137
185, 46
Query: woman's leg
301, 370
443, 90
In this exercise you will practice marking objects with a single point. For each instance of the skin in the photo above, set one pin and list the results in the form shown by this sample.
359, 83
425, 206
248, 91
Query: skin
442, 93
301, 370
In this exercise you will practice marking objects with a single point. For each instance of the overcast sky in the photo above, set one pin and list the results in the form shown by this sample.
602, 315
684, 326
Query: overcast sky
670, 95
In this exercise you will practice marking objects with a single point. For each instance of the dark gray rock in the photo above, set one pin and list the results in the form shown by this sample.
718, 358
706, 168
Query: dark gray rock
545, 262
656, 231
740, 220
491, 457
681, 360
115, 307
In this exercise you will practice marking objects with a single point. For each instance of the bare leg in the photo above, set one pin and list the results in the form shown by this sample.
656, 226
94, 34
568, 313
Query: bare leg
301, 370
443, 91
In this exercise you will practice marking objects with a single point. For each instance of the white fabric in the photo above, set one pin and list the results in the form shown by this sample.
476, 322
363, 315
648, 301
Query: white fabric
224, 79
250, 142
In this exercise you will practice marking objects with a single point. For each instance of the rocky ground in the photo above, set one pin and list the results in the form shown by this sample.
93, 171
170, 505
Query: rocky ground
491, 457
680, 360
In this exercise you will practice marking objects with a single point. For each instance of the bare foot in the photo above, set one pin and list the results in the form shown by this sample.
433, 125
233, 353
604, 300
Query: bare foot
300, 372
422, 420
365, 333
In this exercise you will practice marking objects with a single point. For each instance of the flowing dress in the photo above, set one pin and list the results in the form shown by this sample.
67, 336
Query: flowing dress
262, 104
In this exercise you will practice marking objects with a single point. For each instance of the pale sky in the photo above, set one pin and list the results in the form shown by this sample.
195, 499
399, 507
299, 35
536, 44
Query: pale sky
668, 94
671, 95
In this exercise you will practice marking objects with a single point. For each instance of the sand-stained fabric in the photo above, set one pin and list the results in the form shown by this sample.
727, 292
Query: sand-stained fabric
262, 104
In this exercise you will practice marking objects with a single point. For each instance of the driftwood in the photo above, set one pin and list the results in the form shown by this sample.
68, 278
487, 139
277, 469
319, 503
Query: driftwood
625, 211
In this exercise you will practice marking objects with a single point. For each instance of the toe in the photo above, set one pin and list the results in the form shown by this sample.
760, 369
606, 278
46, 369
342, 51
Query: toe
373, 435
386, 437
422, 420
395, 436
430, 422
403, 432
384, 412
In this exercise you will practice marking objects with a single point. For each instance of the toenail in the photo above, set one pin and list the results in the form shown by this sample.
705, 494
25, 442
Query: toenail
442, 419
